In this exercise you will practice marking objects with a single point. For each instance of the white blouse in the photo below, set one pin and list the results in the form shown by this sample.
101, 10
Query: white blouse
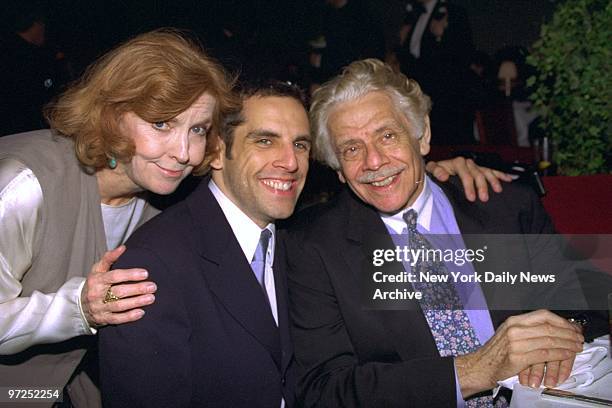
41, 317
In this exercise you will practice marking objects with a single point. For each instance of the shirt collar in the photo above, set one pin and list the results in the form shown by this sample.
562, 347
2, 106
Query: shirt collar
423, 205
245, 230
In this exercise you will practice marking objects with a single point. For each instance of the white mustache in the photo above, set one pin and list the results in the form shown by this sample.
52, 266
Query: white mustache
371, 176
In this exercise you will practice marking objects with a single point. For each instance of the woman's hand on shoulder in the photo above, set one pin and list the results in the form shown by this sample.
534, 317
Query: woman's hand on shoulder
115, 296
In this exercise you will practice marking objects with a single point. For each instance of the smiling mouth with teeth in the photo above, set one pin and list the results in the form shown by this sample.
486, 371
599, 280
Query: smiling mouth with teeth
278, 185
384, 182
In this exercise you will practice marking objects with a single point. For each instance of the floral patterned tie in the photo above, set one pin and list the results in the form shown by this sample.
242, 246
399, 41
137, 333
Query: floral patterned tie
448, 321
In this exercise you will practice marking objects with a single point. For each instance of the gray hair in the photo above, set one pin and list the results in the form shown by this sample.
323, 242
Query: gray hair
356, 80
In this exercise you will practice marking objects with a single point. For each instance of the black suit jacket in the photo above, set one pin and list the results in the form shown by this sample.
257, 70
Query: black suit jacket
349, 356
210, 338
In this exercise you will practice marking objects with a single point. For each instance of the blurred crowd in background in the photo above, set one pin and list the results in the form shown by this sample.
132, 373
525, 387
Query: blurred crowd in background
45, 45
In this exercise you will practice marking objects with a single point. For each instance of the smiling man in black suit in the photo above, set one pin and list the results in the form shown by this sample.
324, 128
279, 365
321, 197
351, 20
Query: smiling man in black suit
218, 333
372, 126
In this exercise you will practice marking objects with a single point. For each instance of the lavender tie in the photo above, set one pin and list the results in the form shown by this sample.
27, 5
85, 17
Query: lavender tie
259, 259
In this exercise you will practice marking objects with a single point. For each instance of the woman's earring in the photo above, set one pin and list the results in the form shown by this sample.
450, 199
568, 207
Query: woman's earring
112, 163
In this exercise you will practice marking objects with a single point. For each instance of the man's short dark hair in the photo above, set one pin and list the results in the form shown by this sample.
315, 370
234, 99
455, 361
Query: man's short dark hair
282, 89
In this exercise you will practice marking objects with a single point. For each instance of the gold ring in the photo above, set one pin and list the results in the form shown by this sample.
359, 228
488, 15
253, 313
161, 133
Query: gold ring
110, 296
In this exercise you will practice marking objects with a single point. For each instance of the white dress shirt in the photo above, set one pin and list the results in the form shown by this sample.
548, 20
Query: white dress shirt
248, 233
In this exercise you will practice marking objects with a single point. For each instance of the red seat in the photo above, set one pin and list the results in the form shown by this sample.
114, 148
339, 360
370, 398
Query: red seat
583, 205
580, 204
495, 124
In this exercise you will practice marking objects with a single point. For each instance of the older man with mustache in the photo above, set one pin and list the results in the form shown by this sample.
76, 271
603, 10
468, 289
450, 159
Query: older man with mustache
371, 125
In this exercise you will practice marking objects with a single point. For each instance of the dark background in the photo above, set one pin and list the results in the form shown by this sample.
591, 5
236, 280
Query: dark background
270, 28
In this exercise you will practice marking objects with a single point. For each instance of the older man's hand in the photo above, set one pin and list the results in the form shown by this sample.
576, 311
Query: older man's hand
473, 177
552, 373
521, 342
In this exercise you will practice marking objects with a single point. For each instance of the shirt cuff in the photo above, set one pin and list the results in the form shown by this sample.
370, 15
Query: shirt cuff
86, 327
460, 400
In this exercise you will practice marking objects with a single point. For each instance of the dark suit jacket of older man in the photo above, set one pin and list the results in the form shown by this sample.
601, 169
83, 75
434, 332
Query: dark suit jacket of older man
349, 356
210, 339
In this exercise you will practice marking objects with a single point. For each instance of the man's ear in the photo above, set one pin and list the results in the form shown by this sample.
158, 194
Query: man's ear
341, 176
219, 156
425, 140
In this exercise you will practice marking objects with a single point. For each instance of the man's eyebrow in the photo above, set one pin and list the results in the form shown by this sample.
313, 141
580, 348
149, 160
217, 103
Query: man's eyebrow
272, 134
303, 138
348, 141
262, 132
389, 125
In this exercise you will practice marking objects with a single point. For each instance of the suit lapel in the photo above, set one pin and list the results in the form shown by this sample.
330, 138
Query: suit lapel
365, 232
228, 273
280, 282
